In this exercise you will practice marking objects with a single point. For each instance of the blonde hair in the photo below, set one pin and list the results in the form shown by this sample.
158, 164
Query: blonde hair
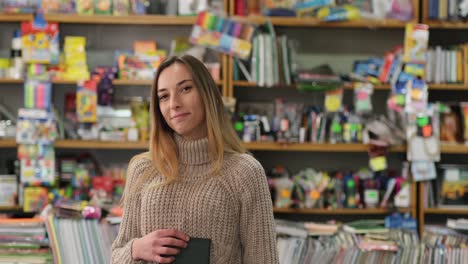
221, 135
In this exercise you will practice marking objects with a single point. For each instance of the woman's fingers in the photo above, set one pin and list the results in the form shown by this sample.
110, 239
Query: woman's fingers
172, 242
171, 233
164, 260
166, 251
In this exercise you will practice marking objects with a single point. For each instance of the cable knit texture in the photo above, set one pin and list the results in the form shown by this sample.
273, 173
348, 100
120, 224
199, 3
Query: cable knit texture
233, 209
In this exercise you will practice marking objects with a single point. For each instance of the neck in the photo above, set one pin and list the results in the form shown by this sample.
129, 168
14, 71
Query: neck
192, 151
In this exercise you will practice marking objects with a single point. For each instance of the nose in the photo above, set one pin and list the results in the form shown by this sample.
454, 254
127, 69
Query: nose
174, 101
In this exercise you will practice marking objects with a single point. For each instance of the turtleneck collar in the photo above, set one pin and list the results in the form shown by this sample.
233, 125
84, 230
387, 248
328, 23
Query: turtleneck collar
192, 152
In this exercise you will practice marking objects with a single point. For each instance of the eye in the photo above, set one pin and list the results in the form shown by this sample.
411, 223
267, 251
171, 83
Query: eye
162, 97
186, 88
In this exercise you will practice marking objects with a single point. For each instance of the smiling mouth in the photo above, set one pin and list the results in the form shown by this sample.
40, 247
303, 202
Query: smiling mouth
179, 116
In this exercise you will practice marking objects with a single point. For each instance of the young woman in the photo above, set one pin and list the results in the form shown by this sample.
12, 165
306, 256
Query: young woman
196, 181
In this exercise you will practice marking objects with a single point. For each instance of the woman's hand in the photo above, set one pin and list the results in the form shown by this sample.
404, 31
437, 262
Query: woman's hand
158, 245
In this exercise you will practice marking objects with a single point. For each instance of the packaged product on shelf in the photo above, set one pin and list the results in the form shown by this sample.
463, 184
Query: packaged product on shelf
85, 7
35, 199
401, 9
40, 41
333, 100
140, 115
8, 190
37, 164
138, 7
121, 7
76, 67
19, 6
416, 42
58, 6
363, 97
452, 186
86, 101
191, 7
222, 34
4, 67
37, 94
16, 57
103, 7
283, 192
451, 124
464, 110
340, 13
36, 127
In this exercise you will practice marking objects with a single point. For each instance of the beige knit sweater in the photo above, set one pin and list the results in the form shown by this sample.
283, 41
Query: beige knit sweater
233, 209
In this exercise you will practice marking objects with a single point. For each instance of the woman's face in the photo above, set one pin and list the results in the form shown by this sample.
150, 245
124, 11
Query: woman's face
180, 102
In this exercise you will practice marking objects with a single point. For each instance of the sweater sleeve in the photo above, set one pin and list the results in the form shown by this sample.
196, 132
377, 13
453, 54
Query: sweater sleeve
257, 228
129, 227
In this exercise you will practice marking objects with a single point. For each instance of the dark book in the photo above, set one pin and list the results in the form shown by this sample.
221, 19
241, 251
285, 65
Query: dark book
196, 252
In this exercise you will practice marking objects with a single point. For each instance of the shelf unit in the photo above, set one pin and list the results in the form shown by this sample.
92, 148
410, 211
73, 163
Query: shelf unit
341, 211
106, 19
439, 87
116, 82
314, 22
438, 23
425, 212
253, 146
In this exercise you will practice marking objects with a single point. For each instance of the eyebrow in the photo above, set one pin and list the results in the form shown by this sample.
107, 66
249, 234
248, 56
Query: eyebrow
177, 84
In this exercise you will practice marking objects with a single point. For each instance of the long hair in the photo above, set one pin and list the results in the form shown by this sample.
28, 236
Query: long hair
221, 135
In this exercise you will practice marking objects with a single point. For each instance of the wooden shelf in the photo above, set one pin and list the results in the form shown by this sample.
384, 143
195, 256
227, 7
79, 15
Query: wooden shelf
11, 81
254, 146
454, 149
15, 17
339, 211
446, 24
11, 208
314, 22
92, 144
274, 146
115, 82
103, 19
445, 211
458, 87
8, 143
449, 86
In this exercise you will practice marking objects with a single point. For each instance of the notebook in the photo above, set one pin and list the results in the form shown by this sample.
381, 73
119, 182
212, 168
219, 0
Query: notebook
196, 252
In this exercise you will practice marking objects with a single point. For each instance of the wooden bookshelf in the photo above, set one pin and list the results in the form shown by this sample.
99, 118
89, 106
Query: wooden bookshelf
104, 19
447, 211
326, 147
315, 22
10, 208
15, 17
340, 211
8, 143
427, 212
8, 81
114, 82
454, 149
93, 144
449, 87
254, 146
446, 24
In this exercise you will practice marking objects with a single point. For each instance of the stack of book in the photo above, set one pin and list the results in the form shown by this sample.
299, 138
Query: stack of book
79, 240
271, 60
447, 64
24, 241
446, 10
376, 244
444, 245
